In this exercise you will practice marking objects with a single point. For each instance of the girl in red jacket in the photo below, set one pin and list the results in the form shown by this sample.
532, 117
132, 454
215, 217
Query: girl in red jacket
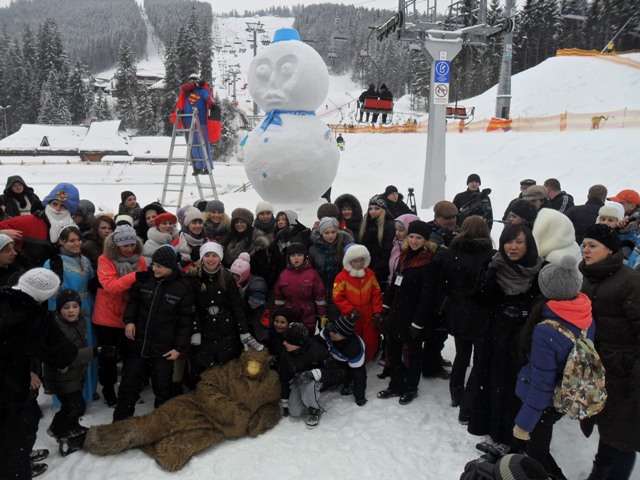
356, 287
300, 288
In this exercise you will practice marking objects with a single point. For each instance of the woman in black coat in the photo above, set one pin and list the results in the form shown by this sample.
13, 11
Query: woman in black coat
350, 214
614, 290
509, 291
464, 264
221, 325
408, 306
377, 233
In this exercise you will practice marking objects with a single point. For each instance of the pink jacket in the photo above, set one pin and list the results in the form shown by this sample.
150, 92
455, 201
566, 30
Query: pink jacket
302, 291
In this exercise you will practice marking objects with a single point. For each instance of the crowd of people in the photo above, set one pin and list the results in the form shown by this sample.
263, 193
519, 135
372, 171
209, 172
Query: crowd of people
172, 296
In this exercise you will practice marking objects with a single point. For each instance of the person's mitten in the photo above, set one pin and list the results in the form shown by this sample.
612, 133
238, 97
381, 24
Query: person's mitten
322, 321
377, 320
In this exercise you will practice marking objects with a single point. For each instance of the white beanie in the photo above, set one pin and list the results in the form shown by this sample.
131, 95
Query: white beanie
263, 206
39, 283
191, 214
5, 240
214, 247
611, 209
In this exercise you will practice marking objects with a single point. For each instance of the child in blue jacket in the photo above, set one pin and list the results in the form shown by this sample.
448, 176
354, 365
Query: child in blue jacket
547, 350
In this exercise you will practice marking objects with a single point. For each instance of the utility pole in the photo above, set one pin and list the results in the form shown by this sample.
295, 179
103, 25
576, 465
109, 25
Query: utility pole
503, 99
440, 46
234, 71
255, 28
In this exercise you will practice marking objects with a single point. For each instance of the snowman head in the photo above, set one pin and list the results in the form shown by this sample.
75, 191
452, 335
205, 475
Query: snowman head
288, 75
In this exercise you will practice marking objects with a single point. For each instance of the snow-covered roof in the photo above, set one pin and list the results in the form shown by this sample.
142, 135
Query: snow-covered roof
105, 136
44, 137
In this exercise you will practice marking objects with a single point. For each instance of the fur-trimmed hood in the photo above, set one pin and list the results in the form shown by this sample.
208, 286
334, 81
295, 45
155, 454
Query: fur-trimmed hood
352, 252
111, 249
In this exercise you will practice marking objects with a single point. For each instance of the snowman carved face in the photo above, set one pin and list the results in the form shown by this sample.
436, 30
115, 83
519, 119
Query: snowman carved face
288, 75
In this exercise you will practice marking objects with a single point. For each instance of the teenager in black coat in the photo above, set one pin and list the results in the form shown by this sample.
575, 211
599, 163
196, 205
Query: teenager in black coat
464, 264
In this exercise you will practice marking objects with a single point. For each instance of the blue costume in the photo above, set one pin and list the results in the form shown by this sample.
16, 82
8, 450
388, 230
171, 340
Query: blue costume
76, 275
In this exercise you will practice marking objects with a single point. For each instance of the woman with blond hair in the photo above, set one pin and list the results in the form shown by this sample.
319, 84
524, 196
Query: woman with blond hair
377, 233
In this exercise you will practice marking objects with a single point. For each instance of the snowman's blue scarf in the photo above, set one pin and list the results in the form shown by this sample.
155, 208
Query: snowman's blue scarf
273, 117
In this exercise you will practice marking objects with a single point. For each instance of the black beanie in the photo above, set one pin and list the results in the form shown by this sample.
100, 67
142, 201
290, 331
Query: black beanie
67, 295
166, 257
297, 334
344, 325
296, 247
605, 235
474, 177
421, 228
126, 194
525, 210
389, 190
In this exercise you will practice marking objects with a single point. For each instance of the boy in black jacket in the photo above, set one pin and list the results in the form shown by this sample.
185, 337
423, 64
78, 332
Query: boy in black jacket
304, 363
347, 349
158, 322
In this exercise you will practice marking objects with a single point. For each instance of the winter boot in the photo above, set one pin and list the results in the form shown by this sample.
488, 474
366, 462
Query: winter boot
387, 393
347, 389
314, 417
38, 469
73, 442
37, 455
456, 396
109, 395
407, 398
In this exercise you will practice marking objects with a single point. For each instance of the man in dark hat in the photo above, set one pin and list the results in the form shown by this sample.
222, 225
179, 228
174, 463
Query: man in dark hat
524, 184
473, 201
395, 202
369, 93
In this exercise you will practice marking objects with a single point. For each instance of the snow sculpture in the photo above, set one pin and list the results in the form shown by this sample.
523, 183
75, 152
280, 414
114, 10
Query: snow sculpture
292, 155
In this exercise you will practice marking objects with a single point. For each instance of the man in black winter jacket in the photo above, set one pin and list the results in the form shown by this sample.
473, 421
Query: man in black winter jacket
558, 199
584, 215
158, 322
27, 333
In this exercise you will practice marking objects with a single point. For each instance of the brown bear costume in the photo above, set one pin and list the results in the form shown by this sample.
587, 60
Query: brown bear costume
229, 401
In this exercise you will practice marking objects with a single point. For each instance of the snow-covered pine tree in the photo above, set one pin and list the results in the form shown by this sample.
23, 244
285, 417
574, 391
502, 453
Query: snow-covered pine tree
80, 93
146, 114
126, 85
54, 109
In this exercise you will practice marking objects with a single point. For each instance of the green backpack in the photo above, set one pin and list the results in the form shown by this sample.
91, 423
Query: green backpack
581, 392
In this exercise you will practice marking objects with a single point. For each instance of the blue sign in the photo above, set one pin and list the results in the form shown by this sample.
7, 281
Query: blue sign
442, 71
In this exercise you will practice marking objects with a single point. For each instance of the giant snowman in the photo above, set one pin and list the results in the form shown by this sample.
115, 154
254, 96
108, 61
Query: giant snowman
292, 155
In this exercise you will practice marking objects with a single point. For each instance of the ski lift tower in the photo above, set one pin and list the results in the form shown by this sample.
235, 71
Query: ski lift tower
440, 46
255, 28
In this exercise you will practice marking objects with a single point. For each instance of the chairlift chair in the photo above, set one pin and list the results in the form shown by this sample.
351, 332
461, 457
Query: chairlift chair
458, 112
374, 105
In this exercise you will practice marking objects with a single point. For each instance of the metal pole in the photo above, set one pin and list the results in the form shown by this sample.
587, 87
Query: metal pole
503, 99
434, 168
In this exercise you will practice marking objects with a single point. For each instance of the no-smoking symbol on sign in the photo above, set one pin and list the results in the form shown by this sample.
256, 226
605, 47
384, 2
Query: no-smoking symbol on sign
442, 90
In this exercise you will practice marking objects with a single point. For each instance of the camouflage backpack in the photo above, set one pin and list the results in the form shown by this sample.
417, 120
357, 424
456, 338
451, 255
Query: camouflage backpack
581, 392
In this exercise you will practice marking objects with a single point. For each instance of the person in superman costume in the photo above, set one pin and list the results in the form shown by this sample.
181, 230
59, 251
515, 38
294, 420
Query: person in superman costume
197, 94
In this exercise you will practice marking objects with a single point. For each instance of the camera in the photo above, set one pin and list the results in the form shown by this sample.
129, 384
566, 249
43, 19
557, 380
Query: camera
410, 190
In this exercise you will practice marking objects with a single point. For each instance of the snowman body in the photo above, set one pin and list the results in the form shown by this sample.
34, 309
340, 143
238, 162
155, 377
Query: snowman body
292, 156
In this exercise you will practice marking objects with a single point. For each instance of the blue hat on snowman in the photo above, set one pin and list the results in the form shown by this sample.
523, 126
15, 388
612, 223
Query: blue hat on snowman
283, 34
